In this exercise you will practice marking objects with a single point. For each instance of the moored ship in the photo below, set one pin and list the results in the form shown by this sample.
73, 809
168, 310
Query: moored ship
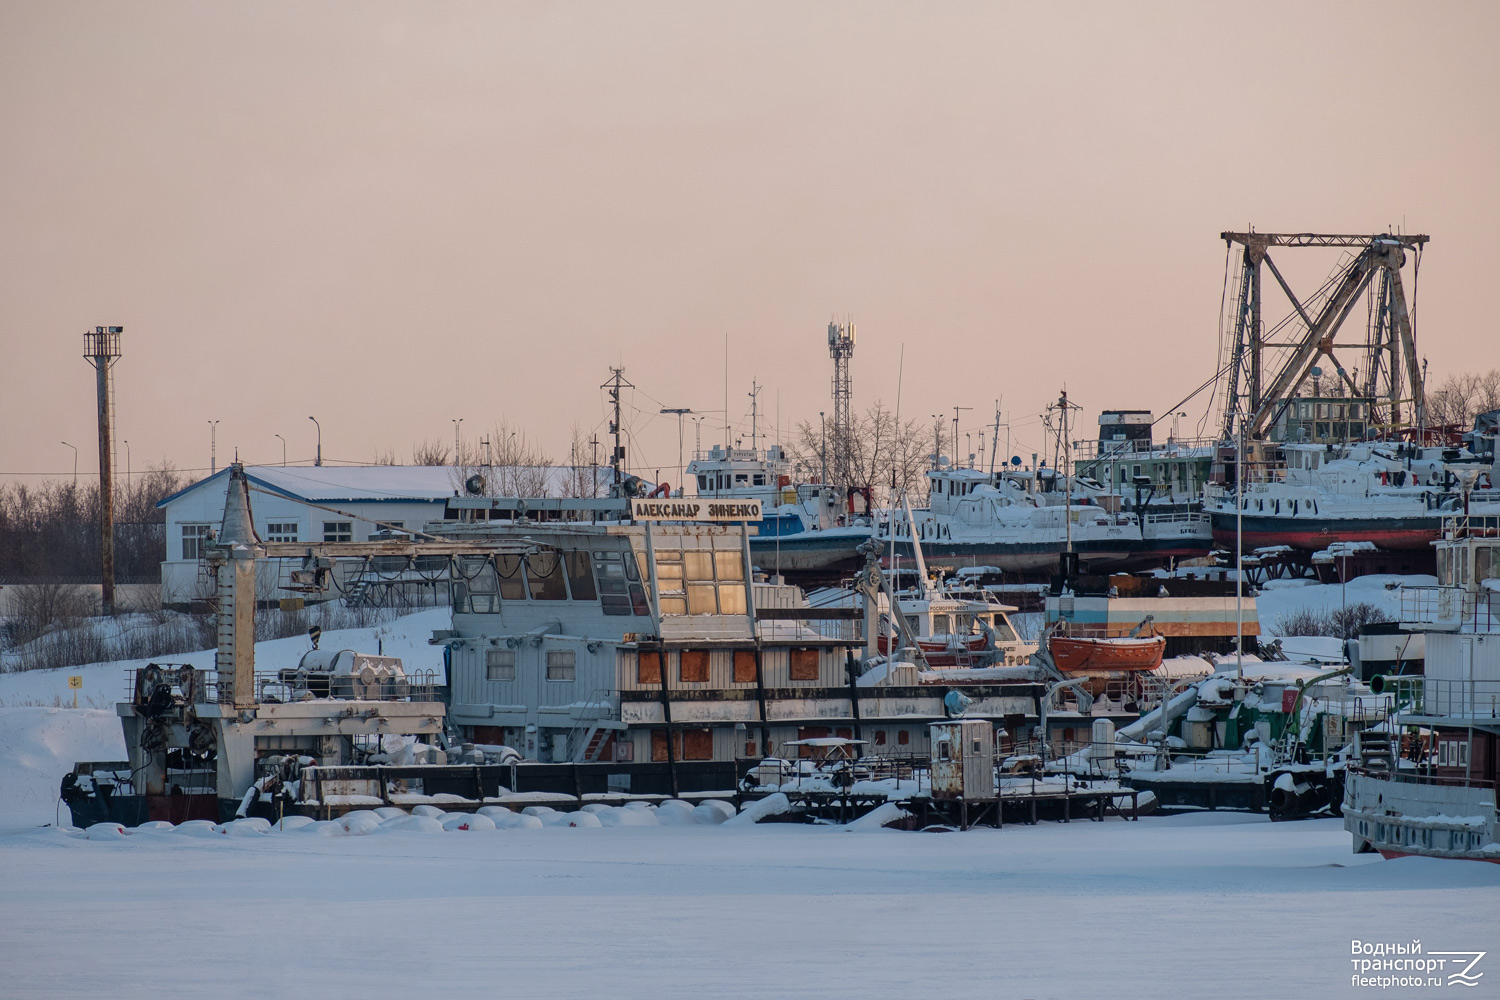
1425, 784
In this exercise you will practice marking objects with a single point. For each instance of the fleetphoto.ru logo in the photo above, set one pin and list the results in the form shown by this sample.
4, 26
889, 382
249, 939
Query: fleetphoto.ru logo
1404, 966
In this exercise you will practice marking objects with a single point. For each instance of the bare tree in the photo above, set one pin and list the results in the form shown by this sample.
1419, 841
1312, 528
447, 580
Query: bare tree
430, 453
515, 468
879, 448
1460, 398
582, 478
387, 457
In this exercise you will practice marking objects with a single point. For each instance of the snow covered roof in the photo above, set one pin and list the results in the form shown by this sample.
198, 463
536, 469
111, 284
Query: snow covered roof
370, 482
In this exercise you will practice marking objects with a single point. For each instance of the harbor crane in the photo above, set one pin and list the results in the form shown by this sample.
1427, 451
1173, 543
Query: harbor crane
1265, 368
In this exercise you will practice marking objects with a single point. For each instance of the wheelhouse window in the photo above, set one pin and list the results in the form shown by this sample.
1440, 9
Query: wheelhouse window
281, 531
700, 582
670, 584
338, 531
580, 572
476, 588
193, 538
544, 575
618, 579
508, 569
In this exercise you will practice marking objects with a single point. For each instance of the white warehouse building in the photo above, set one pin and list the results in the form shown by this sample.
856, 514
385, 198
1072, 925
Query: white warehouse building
362, 498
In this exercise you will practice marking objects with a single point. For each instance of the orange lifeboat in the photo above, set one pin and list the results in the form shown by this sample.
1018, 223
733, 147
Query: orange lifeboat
1075, 654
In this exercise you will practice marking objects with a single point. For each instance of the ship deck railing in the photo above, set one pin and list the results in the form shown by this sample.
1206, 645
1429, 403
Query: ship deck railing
1440, 697
1474, 525
1423, 775
283, 686
1450, 609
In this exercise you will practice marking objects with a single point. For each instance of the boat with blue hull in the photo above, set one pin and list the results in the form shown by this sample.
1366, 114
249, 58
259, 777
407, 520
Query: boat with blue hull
810, 531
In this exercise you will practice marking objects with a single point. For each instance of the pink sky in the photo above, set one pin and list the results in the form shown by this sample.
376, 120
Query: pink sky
392, 215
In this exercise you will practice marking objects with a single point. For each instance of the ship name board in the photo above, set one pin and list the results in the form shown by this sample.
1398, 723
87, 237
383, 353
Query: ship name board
695, 510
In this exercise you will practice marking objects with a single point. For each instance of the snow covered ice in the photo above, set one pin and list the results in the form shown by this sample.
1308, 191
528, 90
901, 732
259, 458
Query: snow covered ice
677, 901
1162, 907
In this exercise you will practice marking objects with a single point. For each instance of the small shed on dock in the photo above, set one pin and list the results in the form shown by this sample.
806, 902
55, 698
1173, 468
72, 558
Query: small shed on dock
963, 760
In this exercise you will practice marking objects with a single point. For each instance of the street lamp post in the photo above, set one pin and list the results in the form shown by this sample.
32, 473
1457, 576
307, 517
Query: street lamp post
319, 459
127, 464
283, 448
75, 462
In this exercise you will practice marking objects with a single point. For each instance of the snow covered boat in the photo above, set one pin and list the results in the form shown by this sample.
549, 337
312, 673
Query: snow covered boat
810, 530
1021, 523
1425, 782
1391, 495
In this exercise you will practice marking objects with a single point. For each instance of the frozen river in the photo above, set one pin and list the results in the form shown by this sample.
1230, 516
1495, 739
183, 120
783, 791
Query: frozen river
1221, 905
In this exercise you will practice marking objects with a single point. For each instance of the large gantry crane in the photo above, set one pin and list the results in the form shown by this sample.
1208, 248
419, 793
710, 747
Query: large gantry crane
1265, 368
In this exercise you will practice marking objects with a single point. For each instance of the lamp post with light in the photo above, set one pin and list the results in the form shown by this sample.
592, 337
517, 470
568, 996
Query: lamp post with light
319, 459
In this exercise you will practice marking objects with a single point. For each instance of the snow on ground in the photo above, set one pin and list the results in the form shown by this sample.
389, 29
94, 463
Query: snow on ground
1280, 598
1221, 903
1218, 904
40, 745
104, 684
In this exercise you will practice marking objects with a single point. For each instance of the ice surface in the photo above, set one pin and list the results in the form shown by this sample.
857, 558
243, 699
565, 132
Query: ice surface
661, 904
696, 910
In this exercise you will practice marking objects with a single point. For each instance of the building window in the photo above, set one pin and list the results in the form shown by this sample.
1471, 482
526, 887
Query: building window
692, 666
744, 666
281, 531
750, 747
562, 665
804, 664
499, 664
697, 744
648, 668
880, 737
193, 538
338, 531
903, 737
